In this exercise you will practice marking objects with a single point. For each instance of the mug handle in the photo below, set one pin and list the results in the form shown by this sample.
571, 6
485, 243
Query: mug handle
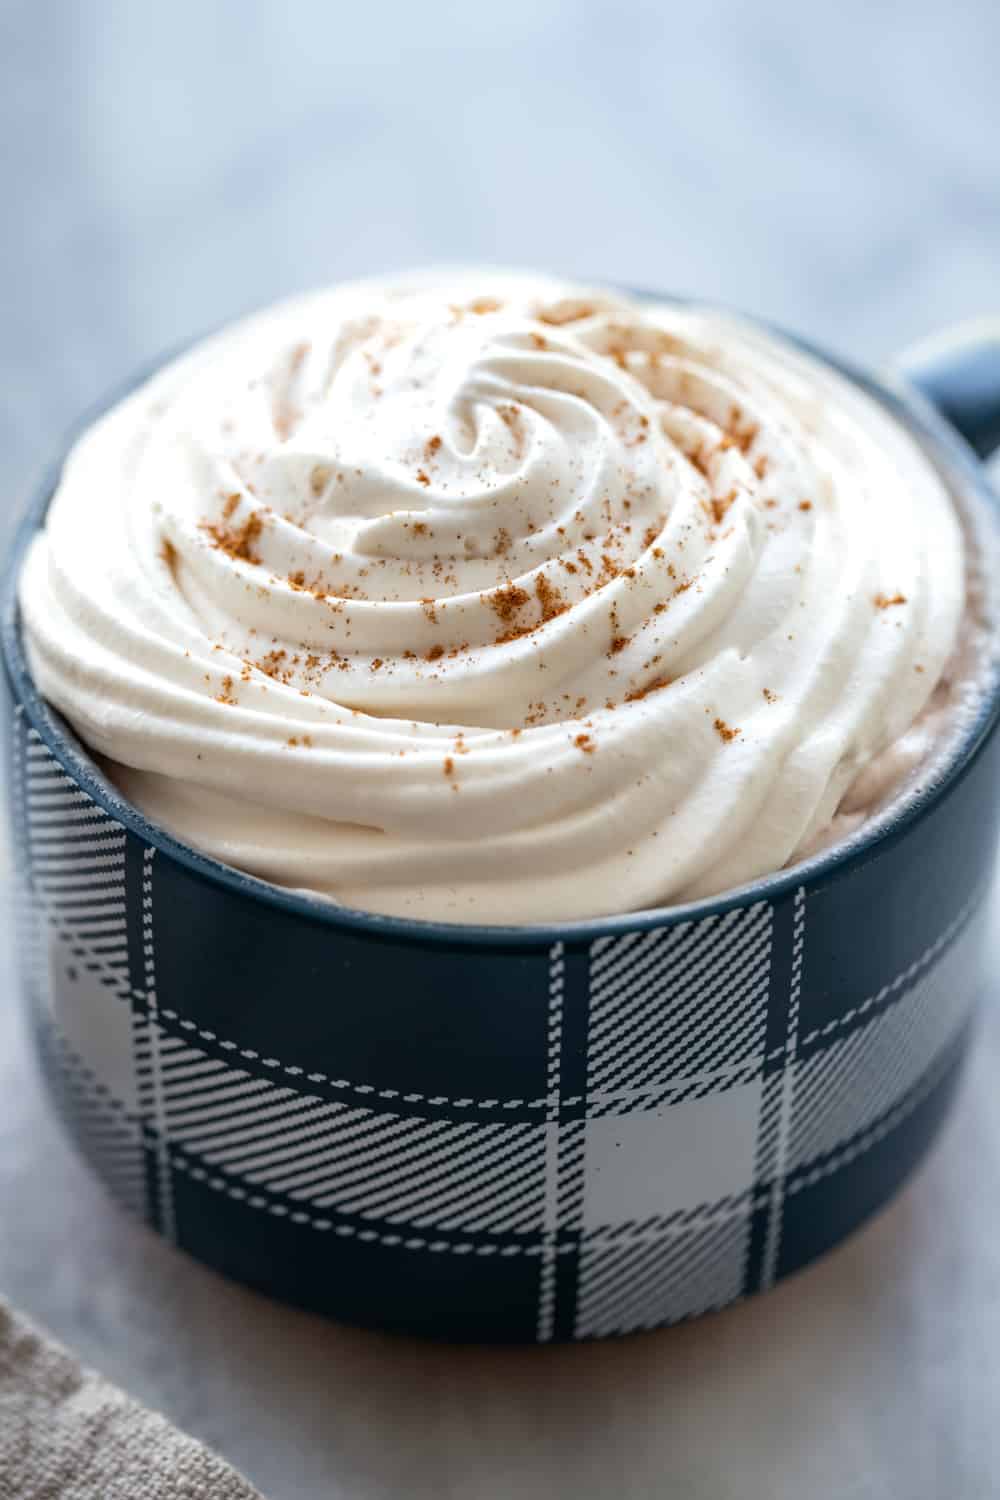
959, 373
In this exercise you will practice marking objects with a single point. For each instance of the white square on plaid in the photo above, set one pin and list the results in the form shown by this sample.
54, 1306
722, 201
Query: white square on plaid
95, 1020
678, 1001
108, 1133
656, 1162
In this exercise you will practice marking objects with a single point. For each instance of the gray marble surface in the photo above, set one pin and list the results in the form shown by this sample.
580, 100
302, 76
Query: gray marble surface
835, 168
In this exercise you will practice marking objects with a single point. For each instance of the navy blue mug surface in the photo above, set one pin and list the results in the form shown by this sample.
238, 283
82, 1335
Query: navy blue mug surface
504, 1134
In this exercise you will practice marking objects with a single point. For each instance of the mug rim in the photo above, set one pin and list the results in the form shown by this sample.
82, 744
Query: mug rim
944, 445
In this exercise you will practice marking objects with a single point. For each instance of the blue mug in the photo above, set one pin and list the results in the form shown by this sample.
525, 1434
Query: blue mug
509, 1134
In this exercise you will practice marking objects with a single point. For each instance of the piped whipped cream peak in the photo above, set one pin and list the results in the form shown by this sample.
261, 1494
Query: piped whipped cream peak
495, 599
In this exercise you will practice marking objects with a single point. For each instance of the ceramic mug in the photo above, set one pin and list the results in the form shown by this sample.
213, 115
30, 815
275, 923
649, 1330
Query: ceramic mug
509, 1134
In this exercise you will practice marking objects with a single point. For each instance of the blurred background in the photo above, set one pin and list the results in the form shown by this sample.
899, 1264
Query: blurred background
164, 167
836, 168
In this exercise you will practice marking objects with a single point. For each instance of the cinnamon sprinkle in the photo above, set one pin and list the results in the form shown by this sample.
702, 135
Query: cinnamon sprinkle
238, 542
637, 694
564, 312
720, 507
271, 665
507, 601
724, 731
550, 599
741, 438
319, 478
886, 601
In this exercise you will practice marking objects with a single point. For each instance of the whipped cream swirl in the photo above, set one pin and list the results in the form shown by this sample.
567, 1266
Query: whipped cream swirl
494, 599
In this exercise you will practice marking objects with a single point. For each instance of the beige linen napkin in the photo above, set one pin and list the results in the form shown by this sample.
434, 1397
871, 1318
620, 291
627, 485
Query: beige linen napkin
67, 1434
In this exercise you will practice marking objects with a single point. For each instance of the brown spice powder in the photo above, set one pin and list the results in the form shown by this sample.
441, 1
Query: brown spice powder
550, 599
720, 507
564, 312
271, 665
319, 478
238, 542
507, 601
637, 694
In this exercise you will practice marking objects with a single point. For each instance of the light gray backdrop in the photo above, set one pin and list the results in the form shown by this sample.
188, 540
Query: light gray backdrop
837, 168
